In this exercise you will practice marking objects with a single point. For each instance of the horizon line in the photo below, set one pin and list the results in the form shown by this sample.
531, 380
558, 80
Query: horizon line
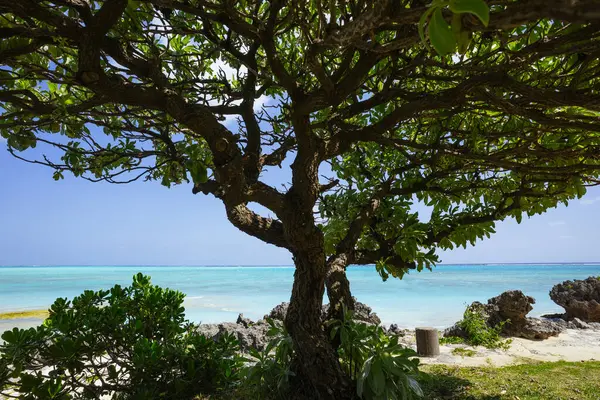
290, 265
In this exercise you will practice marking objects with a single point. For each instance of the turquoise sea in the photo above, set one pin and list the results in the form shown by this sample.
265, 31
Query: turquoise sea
219, 293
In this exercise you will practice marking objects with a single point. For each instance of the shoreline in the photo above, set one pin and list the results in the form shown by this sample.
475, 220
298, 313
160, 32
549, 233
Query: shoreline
570, 345
23, 314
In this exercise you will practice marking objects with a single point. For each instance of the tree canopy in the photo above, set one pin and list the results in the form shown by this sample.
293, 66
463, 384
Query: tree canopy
479, 110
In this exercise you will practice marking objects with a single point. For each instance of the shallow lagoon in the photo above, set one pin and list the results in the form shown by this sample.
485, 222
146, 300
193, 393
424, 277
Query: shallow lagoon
219, 293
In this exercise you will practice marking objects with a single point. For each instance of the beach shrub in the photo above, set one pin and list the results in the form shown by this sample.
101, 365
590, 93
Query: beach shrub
380, 367
477, 332
131, 343
269, 371
463, 352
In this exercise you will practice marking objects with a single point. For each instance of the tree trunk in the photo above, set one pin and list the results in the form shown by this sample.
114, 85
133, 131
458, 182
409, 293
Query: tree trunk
318, 372
428, 344
338, 289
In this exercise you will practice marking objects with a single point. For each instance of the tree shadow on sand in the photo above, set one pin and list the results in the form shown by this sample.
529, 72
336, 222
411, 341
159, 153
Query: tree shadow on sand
439, 386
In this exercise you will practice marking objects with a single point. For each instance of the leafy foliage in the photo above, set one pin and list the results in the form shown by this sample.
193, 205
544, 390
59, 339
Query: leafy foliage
131, 343
444, 38
381, 367
269, 372
508, 129
478, 332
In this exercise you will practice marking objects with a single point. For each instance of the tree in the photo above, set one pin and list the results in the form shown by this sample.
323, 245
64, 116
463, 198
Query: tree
132, 90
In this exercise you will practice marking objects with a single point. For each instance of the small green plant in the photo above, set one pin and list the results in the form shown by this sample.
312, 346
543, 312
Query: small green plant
381, 367
269, 373
463, 352
478, 332
127, 343
452, 340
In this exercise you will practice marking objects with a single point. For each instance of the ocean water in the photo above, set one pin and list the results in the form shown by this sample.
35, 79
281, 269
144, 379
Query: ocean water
214, 294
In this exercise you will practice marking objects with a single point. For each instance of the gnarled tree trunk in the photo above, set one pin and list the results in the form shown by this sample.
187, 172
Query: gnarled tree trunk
338, 288
318, 372
316, 364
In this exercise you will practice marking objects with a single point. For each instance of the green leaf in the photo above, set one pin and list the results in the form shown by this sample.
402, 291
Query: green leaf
198, 172
440, 34
366, 369
519, 217
462, 37
476, 7
377, 378
414, 386
423, 21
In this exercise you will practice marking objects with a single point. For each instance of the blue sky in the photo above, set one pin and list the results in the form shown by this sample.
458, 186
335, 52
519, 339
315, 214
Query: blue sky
75, 222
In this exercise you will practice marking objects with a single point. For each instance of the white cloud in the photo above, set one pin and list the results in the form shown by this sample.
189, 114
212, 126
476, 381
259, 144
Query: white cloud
556, 223
588, 202
230, 73
261, 101
159, 24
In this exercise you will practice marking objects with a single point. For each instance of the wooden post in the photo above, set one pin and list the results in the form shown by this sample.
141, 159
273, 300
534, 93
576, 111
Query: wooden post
428, 344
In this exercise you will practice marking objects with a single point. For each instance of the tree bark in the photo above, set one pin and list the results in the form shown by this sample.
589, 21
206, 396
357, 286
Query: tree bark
338, 288
428, 344
318, 374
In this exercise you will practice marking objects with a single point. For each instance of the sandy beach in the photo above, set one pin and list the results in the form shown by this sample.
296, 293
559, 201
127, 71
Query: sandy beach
570, 345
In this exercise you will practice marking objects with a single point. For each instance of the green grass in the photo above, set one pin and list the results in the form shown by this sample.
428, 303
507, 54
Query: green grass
463, 352
538, 381
41, 314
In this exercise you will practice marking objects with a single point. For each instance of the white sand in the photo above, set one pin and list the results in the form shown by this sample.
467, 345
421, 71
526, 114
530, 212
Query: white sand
571, 345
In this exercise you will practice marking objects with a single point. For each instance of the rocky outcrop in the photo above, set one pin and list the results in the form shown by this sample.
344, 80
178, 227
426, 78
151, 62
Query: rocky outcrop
579, 298
538, 329
249, 334
252, 334
512, 305
394, 329
278, 312
362, 313
511, 308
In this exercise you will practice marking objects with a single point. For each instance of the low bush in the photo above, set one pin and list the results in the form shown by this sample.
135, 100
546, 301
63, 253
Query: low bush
268, 373
381, 368
129, 343
134, 343
477, 332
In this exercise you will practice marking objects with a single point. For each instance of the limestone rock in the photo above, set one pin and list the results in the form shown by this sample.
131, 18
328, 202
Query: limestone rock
540, 329
254, 334
512, 306
246, 322
362, 312
278, 312
576, 323
394, 329
249, 334
594, 325
579, 298
454, 331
